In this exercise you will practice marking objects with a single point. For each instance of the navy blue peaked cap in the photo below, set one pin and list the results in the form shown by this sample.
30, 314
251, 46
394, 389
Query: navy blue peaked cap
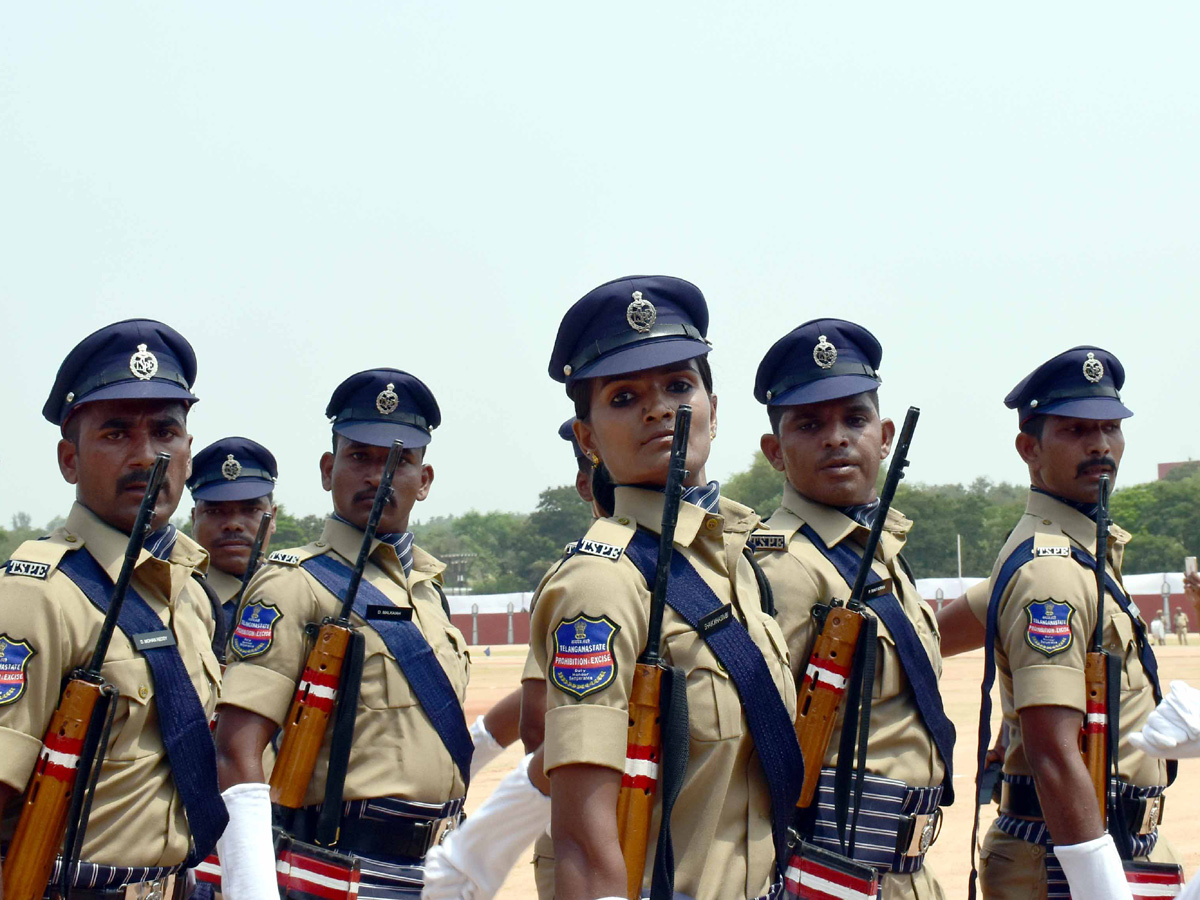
135, 359
233, 468
823, 359
630, 324
1083, 383
567, 433
379, 406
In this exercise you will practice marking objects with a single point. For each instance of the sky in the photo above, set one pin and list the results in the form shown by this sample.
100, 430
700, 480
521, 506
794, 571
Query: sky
306, 190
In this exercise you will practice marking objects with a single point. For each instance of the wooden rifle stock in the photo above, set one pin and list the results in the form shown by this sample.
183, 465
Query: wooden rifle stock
70, 748
1093, 737
824, 683
821, 691
643, 753
304, 728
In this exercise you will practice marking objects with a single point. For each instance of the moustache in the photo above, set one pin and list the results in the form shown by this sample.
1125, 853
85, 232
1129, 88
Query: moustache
369, 496
140, 480
1096, 462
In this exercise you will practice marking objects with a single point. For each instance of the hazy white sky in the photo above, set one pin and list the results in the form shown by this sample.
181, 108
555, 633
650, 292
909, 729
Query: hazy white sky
309, 189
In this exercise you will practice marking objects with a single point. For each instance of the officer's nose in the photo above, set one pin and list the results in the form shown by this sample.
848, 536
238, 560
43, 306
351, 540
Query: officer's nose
659, 408
837, 435
142, 449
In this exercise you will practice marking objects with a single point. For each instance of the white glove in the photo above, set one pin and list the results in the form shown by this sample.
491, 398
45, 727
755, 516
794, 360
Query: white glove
1191, 890
487, 747
246, 849
1094, 870
1172, 731
473, 861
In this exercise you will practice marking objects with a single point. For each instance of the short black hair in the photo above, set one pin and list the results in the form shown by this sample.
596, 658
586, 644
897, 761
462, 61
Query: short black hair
580, 391
1034, 426
775, 413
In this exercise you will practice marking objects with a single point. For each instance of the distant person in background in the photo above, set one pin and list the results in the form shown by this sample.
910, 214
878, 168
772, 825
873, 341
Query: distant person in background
232, 485
1158, 628
1181, 627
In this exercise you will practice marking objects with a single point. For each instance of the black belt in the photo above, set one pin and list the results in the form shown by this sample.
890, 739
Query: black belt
364, 836
1142, 813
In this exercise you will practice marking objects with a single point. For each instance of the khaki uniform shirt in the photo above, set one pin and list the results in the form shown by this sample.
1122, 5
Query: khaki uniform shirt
225, 585
722, 820
137, 818
1030, 676
1181, 623
396, 752
900, 747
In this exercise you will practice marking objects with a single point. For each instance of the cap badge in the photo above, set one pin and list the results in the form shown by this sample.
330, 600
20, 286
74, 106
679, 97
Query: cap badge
143, 364
641, 314
1093, 369
231, 468
386, 401
824, 354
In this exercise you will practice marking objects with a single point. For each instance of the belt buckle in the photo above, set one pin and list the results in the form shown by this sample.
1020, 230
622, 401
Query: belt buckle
1153, 814
442, 828
159, 889
924, 831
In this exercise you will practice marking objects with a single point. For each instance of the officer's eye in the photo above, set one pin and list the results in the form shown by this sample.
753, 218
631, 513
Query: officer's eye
621, 398
681, 386
857, 421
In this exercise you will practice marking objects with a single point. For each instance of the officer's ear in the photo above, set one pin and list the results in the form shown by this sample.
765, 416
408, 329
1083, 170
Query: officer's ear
583, 436
772, 449
1029, 447
68, 461
426, 481
889, 435
327, 470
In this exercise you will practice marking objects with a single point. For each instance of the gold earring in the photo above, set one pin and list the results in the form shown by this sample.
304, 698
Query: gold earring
595, 459
712, 432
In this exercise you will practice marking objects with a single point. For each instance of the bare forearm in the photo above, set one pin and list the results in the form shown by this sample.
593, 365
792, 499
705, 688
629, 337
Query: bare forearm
961, 631
1064, 786
504, 719
241, 738
588, 861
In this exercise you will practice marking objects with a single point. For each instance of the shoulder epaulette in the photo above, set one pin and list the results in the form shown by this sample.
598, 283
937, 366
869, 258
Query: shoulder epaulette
607, 538
1051, 543
293, 556
37, 559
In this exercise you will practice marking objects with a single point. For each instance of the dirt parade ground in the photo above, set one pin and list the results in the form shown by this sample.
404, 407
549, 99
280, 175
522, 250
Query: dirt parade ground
494, 675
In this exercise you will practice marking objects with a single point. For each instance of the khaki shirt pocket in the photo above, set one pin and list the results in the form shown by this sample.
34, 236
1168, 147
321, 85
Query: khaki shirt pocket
1133, 677
210, 691
779, 662
383, 684
889, 675
455, 659
133, 736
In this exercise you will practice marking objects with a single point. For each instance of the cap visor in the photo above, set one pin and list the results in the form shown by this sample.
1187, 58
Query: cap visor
242, 489
1085, 408
382, 434
643, 355
137, 390
833, 388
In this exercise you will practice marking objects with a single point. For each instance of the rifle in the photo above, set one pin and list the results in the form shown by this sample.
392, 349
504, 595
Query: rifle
256, 551
825, 680
635, 803
72, 750
1093, 736
304, 728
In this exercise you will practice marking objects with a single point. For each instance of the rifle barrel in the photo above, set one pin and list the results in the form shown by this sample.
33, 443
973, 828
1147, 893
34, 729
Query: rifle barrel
1101, 557
382, 494
133, 549
673, 494
895, 473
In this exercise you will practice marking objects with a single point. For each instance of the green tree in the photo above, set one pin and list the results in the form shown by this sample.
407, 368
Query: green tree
760, 487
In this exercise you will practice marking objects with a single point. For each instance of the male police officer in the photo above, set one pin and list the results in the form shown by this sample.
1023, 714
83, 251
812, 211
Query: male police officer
407, 770
1043, 605
819, 383
232, 485
121, 396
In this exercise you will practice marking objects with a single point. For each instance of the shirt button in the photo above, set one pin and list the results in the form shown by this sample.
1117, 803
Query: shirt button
320, 543
143, 691
624, 520
712, 524
1047, 522
70, 538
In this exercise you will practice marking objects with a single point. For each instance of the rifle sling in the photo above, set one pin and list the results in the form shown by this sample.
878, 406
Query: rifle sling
330, 820
181, 718
771, 726
675, 746
413, 654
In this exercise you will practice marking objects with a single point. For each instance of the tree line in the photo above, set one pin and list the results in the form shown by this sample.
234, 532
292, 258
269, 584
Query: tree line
502, 552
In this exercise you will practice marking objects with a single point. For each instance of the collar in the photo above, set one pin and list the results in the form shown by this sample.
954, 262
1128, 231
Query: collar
107, 544
225, 585
1074, 524
645, 507
833, 525
1091, 510
400, 541
862, 513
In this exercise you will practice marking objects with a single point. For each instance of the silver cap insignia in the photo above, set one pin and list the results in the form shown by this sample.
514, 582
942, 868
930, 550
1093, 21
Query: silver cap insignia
387, 401
231, 468
641, 314
143, 364
824, 354
1093, 369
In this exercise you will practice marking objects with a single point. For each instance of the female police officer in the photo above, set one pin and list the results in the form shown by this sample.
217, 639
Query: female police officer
630, 353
